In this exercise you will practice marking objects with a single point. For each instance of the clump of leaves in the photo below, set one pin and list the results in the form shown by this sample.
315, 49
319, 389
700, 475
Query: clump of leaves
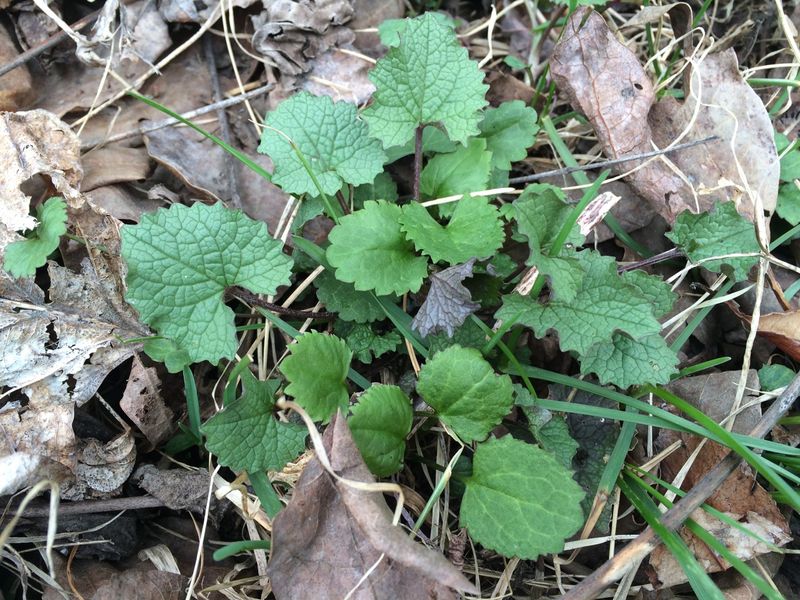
522, 498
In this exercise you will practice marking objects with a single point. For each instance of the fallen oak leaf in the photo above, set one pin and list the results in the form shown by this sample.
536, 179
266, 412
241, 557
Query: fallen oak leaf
605, 81
331, 534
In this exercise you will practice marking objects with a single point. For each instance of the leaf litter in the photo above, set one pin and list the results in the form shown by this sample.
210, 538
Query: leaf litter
63, 357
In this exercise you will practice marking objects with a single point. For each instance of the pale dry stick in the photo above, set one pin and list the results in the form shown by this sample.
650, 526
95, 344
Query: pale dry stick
501, 588
190, 115
489, 38
485, 24
224, 15
355, 54
790, 32
199, 556
647, 541
153, 70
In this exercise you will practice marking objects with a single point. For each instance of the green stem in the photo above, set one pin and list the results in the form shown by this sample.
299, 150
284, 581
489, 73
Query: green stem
265, 492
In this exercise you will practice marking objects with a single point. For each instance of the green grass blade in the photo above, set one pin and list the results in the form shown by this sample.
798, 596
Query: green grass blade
235, 548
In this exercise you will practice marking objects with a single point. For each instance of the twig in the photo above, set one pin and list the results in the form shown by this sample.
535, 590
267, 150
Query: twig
222, 119
53, 40
652, 260
648, 540
187, 115
84, 507
417, 160
611, 163
254, 300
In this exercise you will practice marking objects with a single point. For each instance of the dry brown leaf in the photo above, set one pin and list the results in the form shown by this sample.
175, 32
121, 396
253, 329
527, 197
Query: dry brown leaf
178, 489
203, 166
144, 405
330, 535
341, 76
102, 467
35, 143
780, 328
291, 34
113, 164
122, 203
16, 87
605, 81
739, 496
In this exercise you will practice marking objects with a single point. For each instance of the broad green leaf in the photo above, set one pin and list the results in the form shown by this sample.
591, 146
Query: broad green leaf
331, 137
604, 304
369, 249
434, 141
541, 211
180, 261
380, 423
382, 188
343, 299
554, 437
774, 376
23, 257
465, 392
625, 361
520, 501
474, 231
365, 342
469, 335
460, 172
509, 130
790, 163
316, 369
427, 79
391, 29
719, 232
565, 275
168, 352
788, 207
653, 289
246, 436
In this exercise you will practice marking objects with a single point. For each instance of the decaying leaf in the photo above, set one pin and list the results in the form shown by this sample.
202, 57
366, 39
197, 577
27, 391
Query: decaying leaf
57, 355
604, 80
292, 33
330, 535
448, 303
144, 405
781, 328
35, 143
739, 496
179, 489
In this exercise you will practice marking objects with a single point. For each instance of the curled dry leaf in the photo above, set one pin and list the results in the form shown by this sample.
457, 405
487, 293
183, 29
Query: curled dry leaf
739, 496
35, 143
330, 535
291, 34
780, 328
605, 81
144, 405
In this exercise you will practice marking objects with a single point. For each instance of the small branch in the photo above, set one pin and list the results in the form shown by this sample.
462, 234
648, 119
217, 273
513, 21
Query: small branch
417, 160
611, 163
86, 507
647, 541
342, 202
663, 256
253, 300
222, 119
53, 40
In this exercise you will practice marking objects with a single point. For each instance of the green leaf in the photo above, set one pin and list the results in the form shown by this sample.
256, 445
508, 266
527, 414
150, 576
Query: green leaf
565, 275
168, 352
509, 130
773, 377
180, 261
246, 436
604, 304
365, 342
790, 163
434, 141
716, 233
316, 369
23, 257
391, 29
343, 299
520, 501
427, 79
380, 423
369, 249
788, 207
653, 289
554, 437
474, 231
625, 361
465, 392
331, 137
382, 188
469, 335
541, 211
460, 172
